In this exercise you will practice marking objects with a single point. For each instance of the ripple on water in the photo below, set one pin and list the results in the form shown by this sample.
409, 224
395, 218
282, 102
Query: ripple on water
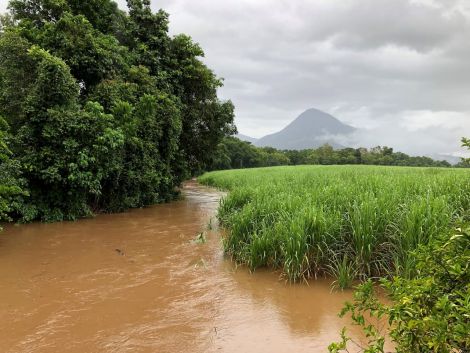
136, 282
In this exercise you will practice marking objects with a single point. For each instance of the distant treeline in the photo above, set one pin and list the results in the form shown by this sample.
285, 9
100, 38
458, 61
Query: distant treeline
232, 153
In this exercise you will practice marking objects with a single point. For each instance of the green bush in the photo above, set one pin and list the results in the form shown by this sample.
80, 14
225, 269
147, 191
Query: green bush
427, 313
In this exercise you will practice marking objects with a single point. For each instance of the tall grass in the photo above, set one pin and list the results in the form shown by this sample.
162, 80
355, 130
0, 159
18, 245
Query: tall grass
354, 222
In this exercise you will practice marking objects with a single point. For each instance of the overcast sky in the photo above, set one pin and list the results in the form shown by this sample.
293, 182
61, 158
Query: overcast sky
398, 68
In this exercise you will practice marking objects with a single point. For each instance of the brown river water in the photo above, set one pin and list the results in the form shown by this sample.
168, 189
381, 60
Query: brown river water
137, 282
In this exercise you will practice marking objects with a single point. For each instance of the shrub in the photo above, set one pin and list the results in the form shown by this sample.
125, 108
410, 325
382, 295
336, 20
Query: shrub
427, 313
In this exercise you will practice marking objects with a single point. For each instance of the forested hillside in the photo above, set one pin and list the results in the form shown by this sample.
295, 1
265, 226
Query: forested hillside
101, 110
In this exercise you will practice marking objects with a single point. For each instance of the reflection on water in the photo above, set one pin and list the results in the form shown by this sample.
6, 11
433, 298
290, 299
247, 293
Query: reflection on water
136, 282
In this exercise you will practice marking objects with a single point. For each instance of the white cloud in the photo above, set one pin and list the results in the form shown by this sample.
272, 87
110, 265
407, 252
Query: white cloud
3, 5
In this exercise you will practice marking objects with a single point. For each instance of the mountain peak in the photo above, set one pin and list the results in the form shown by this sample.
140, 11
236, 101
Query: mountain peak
310, 129
316, 119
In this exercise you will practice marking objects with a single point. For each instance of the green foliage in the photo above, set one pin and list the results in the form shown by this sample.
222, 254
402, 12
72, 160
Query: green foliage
38, 12
465, 162
104, 15
53, 85
11, 184
232, 153
368, 313
107, 111
427, 313
344, 270
354, 222
68, 153
17, 72
91, 55
6, 21
152, 129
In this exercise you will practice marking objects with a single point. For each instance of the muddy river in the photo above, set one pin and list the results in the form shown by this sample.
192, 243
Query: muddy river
137, 282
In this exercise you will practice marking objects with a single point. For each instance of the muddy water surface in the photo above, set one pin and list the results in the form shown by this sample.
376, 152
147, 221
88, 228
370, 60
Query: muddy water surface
137, 282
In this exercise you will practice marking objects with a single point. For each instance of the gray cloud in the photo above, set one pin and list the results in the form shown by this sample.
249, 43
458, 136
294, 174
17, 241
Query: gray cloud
376, 64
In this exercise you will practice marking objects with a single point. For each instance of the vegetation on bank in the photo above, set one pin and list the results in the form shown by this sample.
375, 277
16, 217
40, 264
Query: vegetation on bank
232, 153
429, 312
100, 110
353, 222
368, 223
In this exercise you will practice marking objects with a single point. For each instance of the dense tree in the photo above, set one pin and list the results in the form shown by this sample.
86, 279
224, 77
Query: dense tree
107, 111
11, 192
233, 153
38, 12
175, 63
91, 55
104, 15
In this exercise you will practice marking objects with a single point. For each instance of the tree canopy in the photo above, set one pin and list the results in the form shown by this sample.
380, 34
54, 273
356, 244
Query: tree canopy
232, 153
105, 109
